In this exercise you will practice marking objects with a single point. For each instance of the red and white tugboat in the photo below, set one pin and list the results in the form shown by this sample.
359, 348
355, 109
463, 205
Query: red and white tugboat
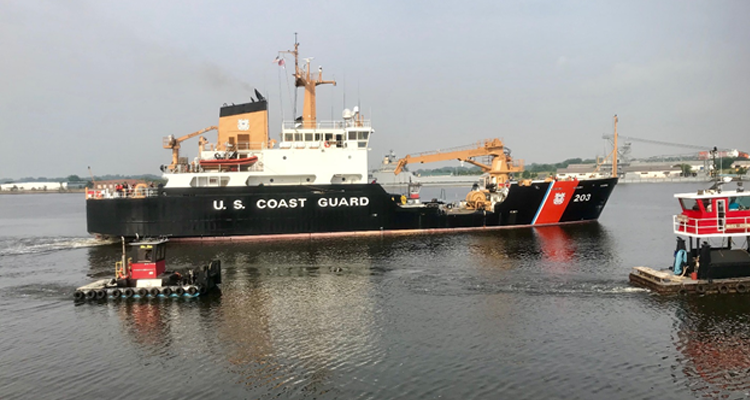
142, 273
713, 245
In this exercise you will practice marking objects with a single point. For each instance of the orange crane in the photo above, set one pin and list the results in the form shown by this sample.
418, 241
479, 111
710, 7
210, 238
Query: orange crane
170, 142
498, 171
501, 167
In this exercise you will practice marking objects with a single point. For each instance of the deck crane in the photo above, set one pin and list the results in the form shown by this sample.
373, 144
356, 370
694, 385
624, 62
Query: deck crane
170, 142
498, 172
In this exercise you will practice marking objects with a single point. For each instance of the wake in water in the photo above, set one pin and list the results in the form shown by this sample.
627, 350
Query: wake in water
36, 245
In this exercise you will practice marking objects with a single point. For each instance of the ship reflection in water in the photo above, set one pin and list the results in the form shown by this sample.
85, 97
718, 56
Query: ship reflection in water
713, 340
288, 313
337, 318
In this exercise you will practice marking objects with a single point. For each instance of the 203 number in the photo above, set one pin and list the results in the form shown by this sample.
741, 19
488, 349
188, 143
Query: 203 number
582, 197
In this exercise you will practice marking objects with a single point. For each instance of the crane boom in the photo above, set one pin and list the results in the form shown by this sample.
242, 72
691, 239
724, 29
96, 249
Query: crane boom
500, 169
170, 142
659, 142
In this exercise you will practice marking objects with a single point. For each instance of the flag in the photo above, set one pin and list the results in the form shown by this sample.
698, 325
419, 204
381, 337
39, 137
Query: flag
280, 61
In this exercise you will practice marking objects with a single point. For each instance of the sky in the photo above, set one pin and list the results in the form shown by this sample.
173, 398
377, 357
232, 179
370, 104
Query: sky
99, 83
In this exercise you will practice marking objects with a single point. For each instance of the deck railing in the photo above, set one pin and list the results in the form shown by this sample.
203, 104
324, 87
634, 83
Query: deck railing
727, 226
124, 194
286, 125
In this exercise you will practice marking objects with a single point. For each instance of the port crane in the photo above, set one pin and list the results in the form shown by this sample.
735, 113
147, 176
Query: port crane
170, 142
498, 171
703, 153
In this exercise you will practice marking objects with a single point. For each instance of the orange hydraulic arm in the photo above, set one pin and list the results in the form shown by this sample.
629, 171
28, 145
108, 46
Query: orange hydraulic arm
170, 142
500, 169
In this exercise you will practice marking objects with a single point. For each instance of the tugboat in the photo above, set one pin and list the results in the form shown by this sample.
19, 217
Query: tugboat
713, 245
142, 273
314, 181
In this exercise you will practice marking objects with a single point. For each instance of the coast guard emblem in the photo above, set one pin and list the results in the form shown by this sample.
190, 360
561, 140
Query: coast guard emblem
559, 198
243, 124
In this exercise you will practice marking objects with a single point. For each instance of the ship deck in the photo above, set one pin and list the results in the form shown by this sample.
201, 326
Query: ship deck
665, 282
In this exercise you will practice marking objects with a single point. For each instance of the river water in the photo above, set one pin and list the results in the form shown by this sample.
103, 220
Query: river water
543, 313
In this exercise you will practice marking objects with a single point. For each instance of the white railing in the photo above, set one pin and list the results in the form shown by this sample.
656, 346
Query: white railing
123, 194
727, 226
297, 125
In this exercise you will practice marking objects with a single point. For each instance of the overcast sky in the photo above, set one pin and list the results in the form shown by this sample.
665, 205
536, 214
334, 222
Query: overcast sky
99, 83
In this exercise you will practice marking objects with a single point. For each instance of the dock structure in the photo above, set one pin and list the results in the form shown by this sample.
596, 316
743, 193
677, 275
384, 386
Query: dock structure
666, 282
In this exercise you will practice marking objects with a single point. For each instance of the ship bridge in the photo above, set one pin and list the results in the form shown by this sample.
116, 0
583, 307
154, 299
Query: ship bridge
348, 134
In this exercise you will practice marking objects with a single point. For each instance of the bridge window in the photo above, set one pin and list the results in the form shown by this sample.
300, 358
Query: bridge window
739, 203
362, 135
352, 135
288, 137
297, 137
308, 137
318, 137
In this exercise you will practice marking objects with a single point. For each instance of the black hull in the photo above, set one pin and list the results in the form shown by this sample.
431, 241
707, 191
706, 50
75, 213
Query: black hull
289, 210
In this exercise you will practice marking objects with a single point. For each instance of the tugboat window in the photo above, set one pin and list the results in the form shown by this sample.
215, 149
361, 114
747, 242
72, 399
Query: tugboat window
739, 203
689, 204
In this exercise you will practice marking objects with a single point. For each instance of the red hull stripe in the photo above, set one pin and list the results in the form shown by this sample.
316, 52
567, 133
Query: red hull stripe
555, 202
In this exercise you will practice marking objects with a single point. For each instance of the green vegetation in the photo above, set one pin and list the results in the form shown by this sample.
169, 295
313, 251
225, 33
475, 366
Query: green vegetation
531, 171
449, 171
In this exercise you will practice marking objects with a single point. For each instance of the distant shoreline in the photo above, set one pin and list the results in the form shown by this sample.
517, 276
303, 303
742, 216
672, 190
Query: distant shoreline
15, 192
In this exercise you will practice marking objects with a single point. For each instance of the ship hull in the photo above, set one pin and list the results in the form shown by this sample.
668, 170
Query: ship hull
261, 211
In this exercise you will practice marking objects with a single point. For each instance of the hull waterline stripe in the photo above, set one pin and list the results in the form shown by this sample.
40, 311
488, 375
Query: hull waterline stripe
544, 201
392, 232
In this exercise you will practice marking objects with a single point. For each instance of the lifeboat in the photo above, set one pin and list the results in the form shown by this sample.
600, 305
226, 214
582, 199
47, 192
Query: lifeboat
228, 162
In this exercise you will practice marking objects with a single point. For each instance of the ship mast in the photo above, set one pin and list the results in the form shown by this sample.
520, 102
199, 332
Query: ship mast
303, 78
614, 153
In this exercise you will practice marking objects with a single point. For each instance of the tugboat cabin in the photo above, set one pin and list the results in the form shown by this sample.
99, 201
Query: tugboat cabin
711, 213
712, 221
147, 258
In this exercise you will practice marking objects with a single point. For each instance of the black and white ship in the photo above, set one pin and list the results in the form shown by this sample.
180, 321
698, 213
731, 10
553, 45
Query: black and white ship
314, 181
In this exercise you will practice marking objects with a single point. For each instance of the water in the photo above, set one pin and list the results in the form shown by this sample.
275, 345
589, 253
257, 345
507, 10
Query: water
519, 313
